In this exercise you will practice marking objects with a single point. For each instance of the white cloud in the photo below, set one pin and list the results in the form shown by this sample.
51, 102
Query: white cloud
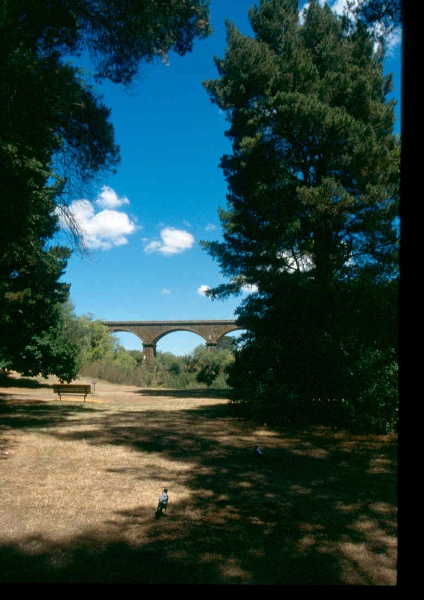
173, 241
295, 261
393, 40
337, 6
151, 246
201, 290
108, 198
106, 228
250, 288
210, 227
166, 292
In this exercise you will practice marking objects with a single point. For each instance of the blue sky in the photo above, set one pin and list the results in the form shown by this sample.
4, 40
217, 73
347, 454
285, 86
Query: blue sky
143, 224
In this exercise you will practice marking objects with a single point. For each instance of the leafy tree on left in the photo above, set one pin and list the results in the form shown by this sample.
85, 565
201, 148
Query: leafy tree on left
56, 138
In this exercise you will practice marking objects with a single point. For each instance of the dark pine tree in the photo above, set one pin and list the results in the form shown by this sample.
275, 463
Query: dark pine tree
312, 214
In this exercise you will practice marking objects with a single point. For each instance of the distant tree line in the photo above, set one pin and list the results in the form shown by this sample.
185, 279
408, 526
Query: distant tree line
202, 368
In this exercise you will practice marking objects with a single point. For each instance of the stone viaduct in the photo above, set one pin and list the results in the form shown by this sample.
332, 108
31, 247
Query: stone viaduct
150, 332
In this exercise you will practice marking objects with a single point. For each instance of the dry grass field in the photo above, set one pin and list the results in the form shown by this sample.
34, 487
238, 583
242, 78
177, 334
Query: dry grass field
80, 483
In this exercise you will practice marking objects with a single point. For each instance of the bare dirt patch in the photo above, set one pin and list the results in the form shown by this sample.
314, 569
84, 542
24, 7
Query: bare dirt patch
80, 483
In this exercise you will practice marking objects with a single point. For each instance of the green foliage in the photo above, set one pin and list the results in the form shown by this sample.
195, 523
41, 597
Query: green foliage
95, 341
72, 131
56, 138
124, 359
52, 351
201, 368
211, 364
29, 297
343, 373
384, 13
312, 217
374, 406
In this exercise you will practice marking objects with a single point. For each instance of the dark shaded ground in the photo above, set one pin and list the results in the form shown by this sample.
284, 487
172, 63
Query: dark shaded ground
320, 510
193, 393
22, 382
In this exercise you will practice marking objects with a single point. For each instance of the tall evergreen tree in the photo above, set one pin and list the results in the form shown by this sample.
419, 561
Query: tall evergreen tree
312, 210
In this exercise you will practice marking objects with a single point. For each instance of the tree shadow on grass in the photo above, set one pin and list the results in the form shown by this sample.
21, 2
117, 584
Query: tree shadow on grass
232, 557
190, 393
319, 511
7, 382
36, 414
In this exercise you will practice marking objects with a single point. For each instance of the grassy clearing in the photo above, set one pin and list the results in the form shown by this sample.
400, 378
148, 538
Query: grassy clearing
80, 483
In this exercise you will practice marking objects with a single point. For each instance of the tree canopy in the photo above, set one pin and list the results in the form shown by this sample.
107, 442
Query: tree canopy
56, 136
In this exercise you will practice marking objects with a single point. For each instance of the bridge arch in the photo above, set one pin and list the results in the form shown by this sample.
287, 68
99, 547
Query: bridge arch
180, 342
150, 332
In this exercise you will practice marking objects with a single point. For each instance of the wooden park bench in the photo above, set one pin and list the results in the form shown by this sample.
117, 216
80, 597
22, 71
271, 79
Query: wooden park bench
74, 389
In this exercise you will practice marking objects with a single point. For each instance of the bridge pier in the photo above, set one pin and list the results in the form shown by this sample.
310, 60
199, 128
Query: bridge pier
211, 346
149, 352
